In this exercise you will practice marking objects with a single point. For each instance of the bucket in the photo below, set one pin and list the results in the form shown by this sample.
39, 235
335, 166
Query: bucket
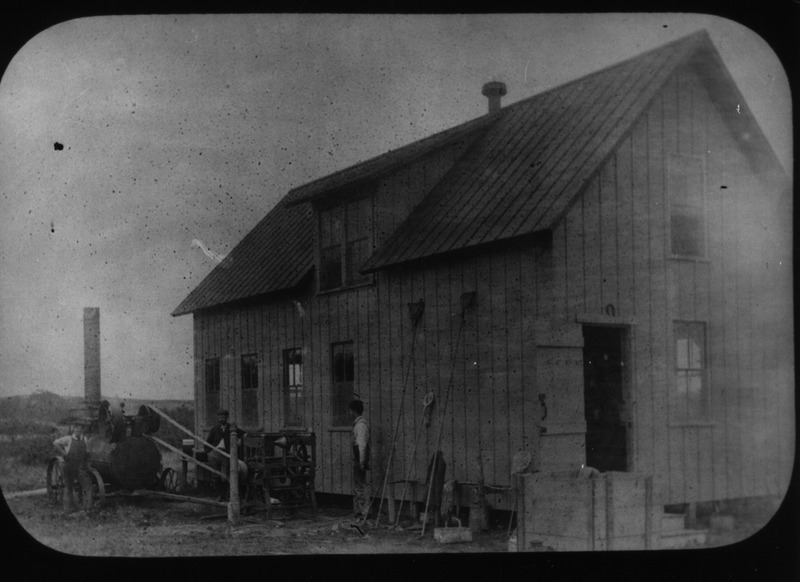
452, 535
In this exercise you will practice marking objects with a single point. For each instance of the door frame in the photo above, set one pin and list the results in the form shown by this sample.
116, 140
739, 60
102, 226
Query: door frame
626, 388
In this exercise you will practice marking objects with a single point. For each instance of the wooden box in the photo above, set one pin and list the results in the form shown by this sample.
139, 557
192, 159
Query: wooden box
578, 511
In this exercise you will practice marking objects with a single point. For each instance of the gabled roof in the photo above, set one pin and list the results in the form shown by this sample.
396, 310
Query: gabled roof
525, 166
538, 154
277, 254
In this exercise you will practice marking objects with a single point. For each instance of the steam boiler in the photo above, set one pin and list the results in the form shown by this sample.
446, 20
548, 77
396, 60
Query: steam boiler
121, 456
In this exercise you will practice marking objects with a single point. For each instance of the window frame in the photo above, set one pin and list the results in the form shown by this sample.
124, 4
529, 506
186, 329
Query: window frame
687, 205
685, 411
299, 414
342, 228
342, 389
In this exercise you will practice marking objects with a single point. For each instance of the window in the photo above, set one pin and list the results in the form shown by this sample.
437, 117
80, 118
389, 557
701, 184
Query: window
686, 183
343, 373
250, 390
212, 389
293, 395
689, 399
345, 244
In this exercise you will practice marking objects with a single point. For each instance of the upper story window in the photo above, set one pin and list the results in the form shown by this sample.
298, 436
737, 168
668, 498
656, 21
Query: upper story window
687, 214
345, 243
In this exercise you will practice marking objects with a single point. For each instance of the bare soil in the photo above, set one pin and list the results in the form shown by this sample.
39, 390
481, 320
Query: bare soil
147, 527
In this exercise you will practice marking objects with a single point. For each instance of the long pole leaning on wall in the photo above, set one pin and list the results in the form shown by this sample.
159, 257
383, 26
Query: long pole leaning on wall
415, 311
467, 299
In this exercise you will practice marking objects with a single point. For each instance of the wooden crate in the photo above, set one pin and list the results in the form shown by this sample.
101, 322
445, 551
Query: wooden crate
575, 512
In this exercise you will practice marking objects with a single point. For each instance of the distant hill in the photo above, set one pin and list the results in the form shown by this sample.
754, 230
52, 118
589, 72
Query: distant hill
46, 406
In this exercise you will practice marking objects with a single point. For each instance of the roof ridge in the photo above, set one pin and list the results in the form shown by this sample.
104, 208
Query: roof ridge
694, 38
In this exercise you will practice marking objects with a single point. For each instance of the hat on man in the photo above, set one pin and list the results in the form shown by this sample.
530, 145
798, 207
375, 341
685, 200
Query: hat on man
223, 413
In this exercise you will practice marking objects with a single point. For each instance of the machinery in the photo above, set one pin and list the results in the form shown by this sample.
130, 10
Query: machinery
280, 471
121, 456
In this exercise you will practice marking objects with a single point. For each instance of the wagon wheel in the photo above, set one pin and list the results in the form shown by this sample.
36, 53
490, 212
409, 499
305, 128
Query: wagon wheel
170, 481
98, 488
55, 481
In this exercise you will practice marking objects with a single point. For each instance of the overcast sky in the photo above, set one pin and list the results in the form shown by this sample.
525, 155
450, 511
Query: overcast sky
174, 128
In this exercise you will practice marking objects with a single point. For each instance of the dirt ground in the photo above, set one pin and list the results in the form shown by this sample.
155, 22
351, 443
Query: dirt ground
146, 527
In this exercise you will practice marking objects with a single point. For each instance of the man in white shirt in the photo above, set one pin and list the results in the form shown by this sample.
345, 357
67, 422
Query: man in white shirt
361, 500
73, 456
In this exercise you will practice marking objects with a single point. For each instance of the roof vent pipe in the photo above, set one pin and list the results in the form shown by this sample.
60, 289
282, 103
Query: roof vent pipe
494, 90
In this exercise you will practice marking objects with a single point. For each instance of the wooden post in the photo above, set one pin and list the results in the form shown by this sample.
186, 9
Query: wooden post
184, 473
233, 498
477, 518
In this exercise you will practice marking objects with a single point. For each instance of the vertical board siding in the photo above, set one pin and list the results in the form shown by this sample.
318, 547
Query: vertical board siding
611, 249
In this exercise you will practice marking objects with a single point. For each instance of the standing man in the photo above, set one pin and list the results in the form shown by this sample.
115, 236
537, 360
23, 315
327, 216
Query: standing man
220, 437
360, 459
73, 457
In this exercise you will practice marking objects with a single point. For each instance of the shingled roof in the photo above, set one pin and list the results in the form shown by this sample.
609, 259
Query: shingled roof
527, 163
277, 254
539, 153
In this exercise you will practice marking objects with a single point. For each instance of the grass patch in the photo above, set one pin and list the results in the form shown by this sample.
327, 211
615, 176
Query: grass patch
15, 476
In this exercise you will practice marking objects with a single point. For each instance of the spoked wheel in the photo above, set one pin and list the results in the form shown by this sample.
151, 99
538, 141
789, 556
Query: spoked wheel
170, 481
98, 487
55, 482
98, 492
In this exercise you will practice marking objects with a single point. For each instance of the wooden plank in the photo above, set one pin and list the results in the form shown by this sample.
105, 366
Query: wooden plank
514, 353
715, 329
500, 365
577, 259
436, 371
470, 358
643, 412
529, 386
463, 428
383, 352
608, 218
198, 343
659, 320
625, 268
731, 357
691, 463
484, 375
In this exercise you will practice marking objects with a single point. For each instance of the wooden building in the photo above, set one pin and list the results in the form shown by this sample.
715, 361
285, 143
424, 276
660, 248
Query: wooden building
605, 270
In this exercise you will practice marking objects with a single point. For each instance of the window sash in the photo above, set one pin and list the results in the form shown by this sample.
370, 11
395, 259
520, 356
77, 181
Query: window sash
689, 398
345, 244
293, 393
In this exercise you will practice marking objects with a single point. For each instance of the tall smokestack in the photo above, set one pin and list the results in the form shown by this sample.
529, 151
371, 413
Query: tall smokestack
91, 355
494, 90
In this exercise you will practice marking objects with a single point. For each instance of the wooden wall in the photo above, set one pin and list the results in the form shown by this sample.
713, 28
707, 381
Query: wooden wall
522, 336
613, 249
